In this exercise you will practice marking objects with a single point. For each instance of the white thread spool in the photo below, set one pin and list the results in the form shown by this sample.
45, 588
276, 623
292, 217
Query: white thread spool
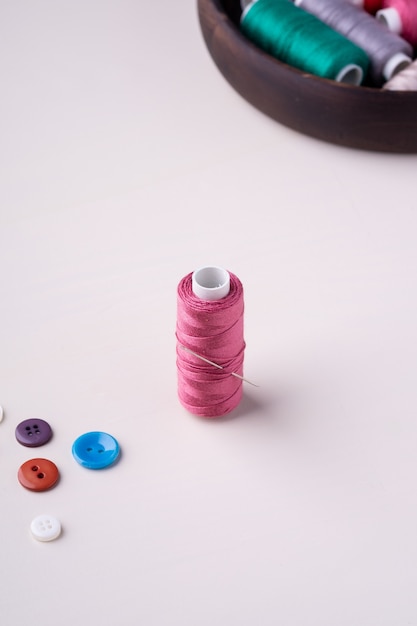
211, 283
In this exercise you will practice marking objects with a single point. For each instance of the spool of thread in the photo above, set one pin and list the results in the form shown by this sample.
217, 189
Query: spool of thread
388, 53
299, 39
405, 80
370, 6
210, 343
400, 16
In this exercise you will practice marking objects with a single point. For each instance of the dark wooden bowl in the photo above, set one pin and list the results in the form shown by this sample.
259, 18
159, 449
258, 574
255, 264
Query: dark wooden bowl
357, 117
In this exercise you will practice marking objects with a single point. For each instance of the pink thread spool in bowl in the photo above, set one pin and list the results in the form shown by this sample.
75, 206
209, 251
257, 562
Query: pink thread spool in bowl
400, 16
358, 117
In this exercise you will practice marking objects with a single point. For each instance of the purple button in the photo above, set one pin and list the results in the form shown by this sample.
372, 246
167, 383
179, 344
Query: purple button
33, 432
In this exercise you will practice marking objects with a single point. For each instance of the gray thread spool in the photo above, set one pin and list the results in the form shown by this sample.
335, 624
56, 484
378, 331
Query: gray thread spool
388, 53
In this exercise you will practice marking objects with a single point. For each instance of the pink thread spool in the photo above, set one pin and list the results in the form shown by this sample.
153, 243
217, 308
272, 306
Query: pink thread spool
210, 344
400, 16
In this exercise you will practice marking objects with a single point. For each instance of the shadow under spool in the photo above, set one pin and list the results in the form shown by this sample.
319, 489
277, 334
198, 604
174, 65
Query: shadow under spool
362, 117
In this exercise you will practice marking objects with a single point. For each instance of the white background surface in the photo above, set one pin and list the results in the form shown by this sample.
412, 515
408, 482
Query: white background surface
126, 162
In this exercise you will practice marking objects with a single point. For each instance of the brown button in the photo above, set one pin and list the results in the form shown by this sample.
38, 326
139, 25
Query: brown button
38, 474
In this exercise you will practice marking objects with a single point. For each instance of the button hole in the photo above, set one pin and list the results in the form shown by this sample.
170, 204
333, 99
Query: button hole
89, 449
41, 475
35, 468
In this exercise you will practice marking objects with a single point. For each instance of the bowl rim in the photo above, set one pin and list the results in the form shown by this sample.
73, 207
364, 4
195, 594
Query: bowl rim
377, 119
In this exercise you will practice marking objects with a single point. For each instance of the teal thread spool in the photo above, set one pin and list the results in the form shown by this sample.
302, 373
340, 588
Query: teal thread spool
300, 39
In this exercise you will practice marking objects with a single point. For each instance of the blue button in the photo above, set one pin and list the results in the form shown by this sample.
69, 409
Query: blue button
95, 450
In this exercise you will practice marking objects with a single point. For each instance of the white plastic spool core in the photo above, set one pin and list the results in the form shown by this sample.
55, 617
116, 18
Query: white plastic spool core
390, 18
211, 283
352, 74
395, 64
244, 4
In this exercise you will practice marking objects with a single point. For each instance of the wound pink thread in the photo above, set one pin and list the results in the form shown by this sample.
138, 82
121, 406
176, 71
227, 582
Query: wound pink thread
214, 330
407, 11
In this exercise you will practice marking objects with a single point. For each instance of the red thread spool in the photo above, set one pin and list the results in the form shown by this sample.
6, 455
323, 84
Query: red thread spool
210, 328
372, 6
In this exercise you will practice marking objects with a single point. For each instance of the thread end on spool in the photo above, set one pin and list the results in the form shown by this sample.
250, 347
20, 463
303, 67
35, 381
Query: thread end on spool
211, 283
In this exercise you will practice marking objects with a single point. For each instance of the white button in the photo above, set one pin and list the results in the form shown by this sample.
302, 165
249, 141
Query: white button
45, 528
1, 413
